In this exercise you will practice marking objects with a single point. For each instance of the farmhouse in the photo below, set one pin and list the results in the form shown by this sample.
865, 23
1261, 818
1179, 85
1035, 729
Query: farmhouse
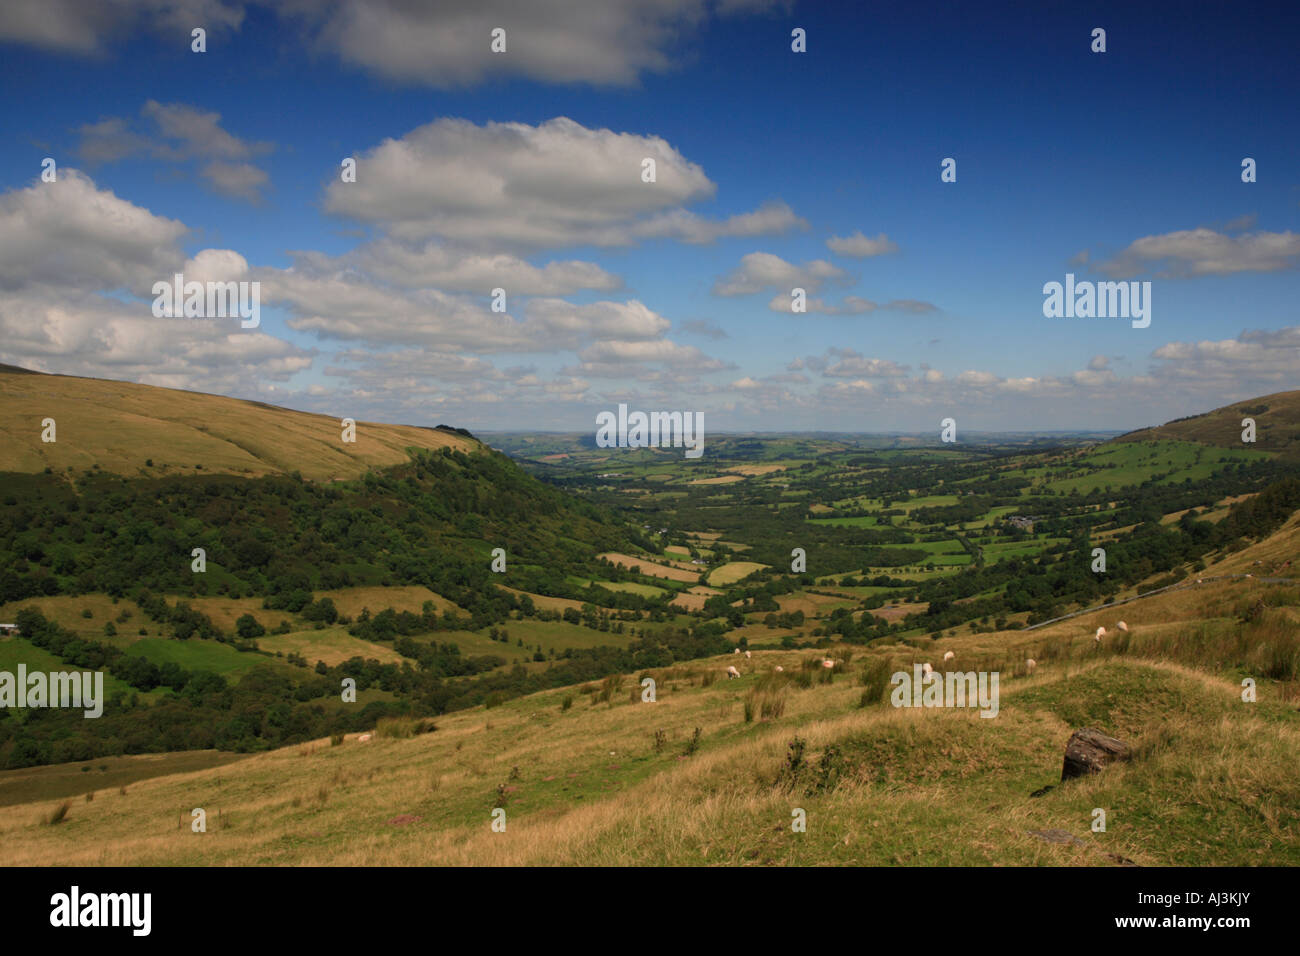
8, 630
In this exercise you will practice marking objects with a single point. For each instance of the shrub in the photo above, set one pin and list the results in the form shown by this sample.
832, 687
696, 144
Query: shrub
875, 680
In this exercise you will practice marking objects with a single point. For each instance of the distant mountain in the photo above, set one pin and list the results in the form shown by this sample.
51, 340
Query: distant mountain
122, 427
1277, 426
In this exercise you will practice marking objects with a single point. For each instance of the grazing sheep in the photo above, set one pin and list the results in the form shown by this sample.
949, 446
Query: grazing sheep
779, 669
949, 656
926, 669
828, 663
746, 655
1122, 626
363, 738
1101, 632
1030, 665
732, 672
736, 651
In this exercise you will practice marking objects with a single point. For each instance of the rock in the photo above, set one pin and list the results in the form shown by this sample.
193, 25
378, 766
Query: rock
1089, 751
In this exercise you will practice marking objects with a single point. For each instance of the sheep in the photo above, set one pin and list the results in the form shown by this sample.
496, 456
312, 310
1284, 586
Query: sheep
828, 663
1101, 632
926, 669
1030, 665
732, 672
363, 738
736, 651
949, 656
746, 655
780, 669
1122, 626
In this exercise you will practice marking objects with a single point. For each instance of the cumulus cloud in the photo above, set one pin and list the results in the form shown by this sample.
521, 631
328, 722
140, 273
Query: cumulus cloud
432, 264
846, 363
556, 41
762, 270
63, 245
73, 233
1191, 253
858, 246
703, 327
179, 133
1257, 361
342, 303
80, 333
850, 305
89, 26
555, 184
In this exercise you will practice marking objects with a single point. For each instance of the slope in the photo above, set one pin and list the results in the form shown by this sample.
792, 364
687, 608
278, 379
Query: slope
1277, 420
607, 779
121, 427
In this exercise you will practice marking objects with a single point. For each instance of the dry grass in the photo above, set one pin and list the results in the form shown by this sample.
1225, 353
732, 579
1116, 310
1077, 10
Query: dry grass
120, 425
655, 569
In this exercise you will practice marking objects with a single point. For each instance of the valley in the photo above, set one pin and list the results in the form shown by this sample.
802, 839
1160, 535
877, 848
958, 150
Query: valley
876, 552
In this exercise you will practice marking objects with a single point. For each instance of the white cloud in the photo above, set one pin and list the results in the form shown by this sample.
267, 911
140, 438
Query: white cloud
89, 26
70, 232
762, 270
851, 305
554, 41
433, 264
180, 133
859, 246
552, 185
1190, 253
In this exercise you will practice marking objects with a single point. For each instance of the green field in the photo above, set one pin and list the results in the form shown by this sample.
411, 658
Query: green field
196, 655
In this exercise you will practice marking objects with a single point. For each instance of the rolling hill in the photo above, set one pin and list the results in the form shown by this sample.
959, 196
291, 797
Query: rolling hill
121, 427
593, 775
1277, 423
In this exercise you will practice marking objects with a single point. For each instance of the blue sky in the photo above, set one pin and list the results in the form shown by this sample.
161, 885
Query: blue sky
375, 295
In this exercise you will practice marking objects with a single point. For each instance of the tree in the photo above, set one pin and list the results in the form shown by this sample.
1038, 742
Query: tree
248, 627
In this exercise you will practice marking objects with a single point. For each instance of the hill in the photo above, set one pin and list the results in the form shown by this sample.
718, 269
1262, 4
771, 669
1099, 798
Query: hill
121, 427
1277, 423
712, 772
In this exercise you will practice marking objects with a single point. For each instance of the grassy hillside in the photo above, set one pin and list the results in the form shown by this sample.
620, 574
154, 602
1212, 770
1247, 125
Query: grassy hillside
608, 779
1277, 423
120, 427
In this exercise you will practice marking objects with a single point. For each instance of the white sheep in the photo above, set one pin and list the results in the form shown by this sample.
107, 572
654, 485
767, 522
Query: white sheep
1030, 665
363, 738
1101, 632
828, 663
746, 655
779, 669
736, 651
926, 669
732, 672
949, 656
1122, 626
